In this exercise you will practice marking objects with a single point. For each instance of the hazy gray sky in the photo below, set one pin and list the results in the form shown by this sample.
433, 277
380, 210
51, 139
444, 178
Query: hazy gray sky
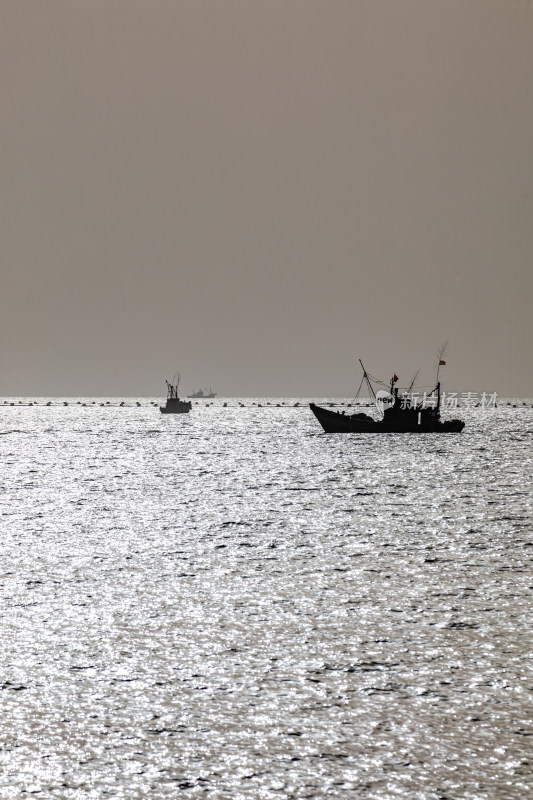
256, 193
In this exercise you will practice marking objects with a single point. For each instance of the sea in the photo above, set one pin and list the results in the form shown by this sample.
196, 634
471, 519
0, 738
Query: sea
232, 604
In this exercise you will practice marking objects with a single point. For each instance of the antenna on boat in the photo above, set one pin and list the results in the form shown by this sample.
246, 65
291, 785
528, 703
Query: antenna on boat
413, 381
440, 363
440, 357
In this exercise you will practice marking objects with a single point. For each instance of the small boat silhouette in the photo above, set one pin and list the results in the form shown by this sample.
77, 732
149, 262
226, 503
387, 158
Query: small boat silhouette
174, 405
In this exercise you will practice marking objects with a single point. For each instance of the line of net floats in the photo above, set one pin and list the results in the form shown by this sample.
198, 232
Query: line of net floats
225, 404
148, 403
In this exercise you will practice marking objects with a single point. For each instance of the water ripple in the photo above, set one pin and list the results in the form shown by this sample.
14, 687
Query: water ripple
236, 605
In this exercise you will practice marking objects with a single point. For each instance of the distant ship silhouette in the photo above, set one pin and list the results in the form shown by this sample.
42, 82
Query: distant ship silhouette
203, 393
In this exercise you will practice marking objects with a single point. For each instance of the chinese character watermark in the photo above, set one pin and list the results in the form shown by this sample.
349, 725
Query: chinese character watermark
448, 400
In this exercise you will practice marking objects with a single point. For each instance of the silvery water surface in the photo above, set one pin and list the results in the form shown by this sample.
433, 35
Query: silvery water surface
232, 604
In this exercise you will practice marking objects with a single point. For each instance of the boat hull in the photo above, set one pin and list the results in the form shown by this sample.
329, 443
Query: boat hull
338, 422
176, 407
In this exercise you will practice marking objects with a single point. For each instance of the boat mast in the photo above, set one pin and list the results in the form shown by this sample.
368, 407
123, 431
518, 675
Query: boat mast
441, 363
367, 379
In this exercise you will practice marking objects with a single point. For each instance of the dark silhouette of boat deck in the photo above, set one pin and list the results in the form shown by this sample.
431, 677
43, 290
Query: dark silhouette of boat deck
399, 421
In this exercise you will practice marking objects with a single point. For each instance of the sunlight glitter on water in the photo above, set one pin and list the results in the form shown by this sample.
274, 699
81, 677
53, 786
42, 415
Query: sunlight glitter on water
233, 604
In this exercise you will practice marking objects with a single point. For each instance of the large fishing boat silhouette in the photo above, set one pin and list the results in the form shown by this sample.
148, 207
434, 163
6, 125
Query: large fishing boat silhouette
402, 416
174, 405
